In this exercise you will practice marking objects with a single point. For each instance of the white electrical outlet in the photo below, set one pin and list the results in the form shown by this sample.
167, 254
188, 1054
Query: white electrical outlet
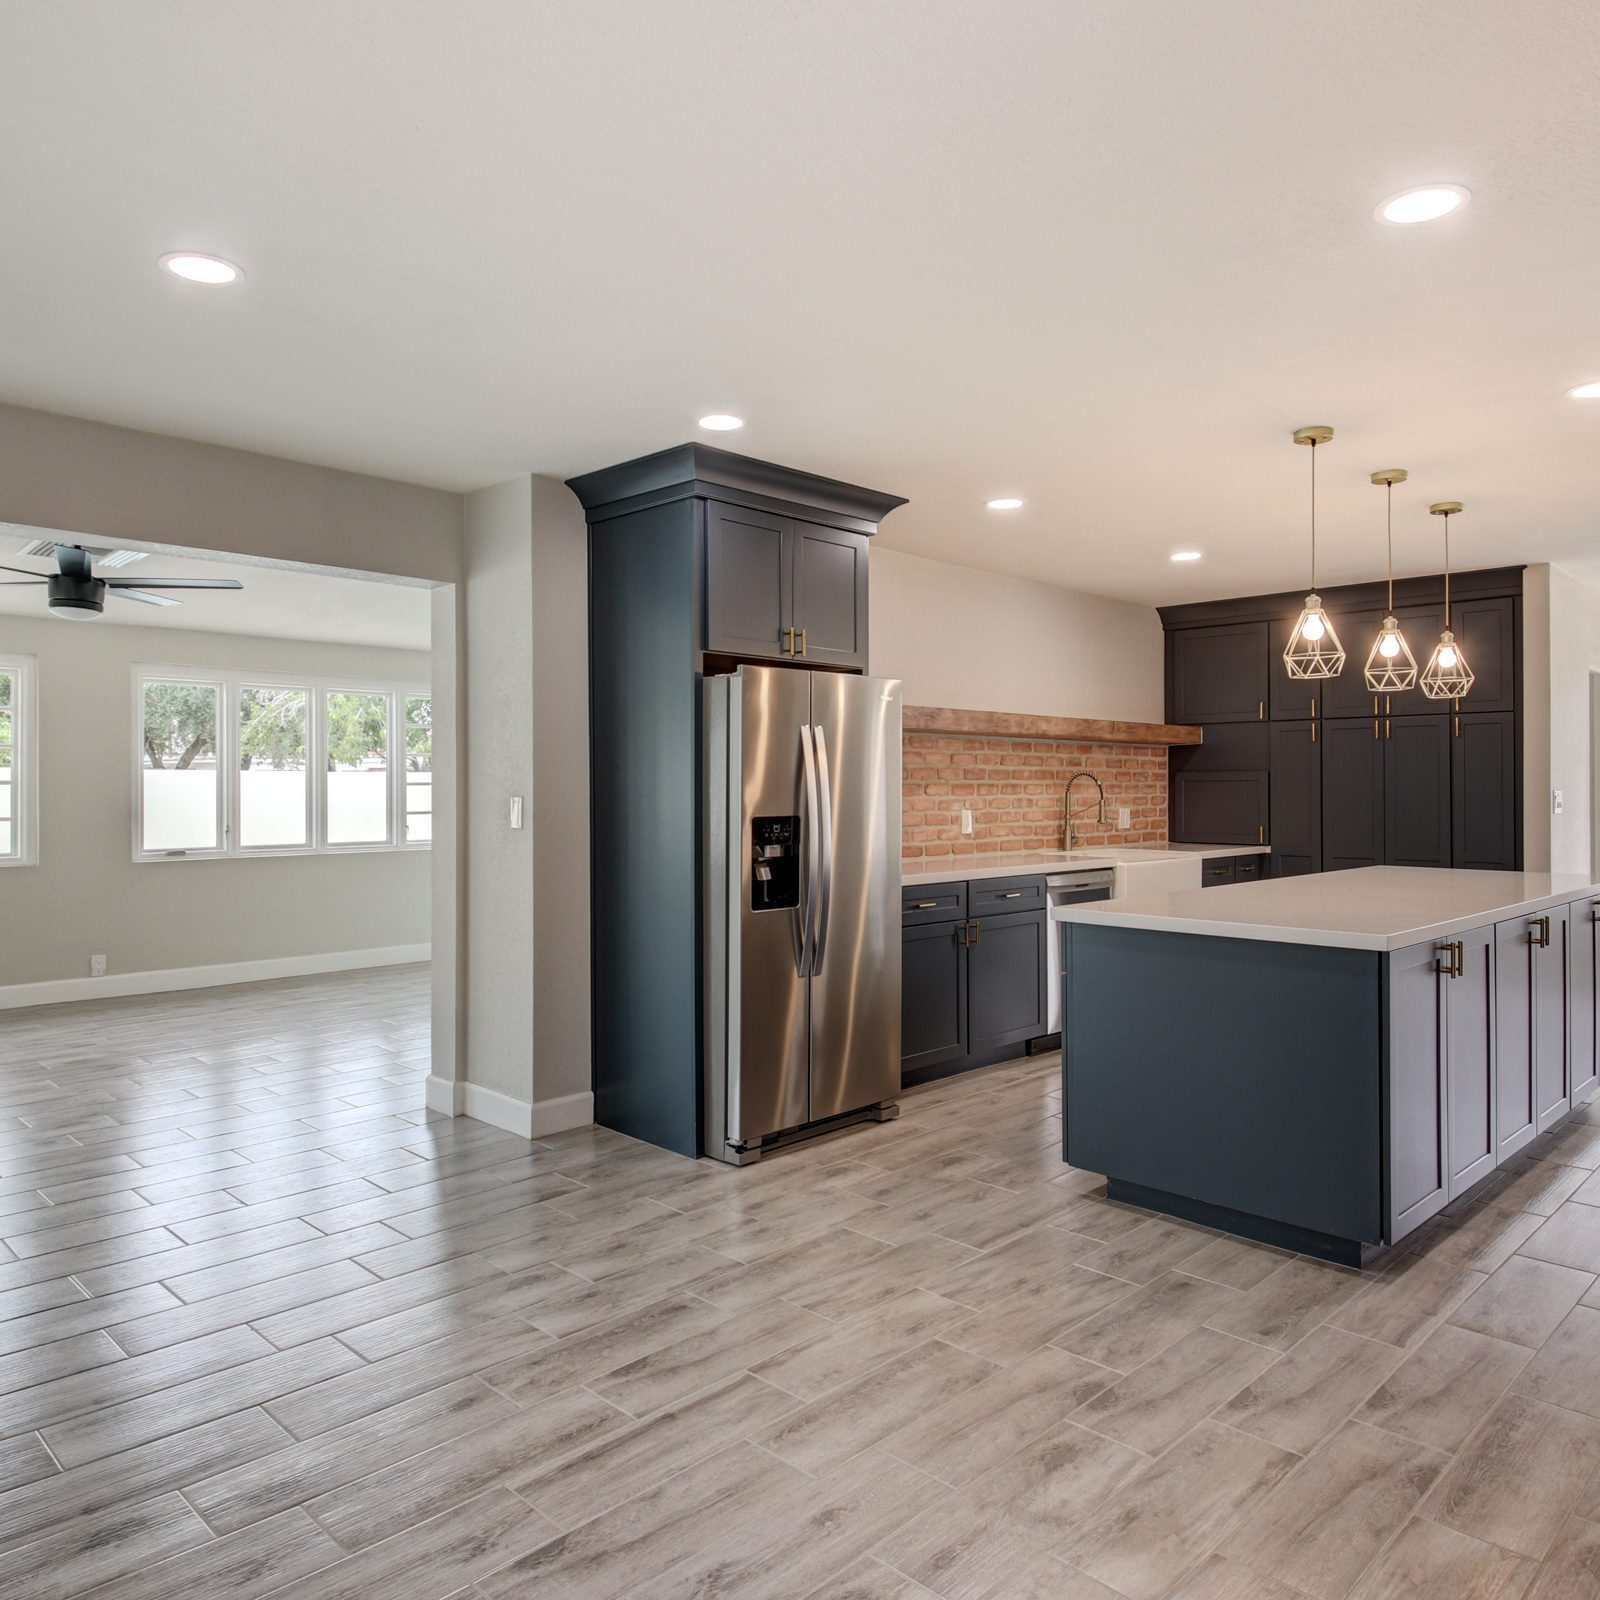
1124, 817
1557, 803
97, 966
966, 819
516, 811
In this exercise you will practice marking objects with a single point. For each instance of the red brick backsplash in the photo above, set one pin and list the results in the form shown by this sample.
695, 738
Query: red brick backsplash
1014, 788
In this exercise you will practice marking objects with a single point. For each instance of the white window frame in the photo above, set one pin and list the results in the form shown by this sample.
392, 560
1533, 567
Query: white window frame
24, 761
230, 685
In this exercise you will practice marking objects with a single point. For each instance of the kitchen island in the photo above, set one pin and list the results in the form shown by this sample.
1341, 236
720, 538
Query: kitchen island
1325, 1062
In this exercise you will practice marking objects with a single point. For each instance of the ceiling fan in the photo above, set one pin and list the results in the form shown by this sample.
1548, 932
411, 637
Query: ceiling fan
77, 594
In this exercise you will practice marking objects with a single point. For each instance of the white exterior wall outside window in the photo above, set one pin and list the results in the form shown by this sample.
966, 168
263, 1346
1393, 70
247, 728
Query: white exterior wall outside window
225, 764
19, 777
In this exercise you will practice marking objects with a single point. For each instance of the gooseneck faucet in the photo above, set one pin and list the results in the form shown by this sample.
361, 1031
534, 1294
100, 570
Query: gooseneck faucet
1067, 838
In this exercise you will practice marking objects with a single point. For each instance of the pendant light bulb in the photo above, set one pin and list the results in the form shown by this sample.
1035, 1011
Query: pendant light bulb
1313, 651
1447, 675
1391, 667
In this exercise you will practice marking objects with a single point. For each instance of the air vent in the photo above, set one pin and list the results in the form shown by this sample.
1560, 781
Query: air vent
46, 550
39, 547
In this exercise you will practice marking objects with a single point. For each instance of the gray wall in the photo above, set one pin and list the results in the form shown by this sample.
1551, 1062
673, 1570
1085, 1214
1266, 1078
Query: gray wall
526, 631
87, 895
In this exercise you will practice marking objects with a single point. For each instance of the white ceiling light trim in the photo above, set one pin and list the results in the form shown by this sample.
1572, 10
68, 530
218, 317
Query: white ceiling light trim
1005, 502
1424, 204
1585, 391
195, 266
1185, 555
721, 422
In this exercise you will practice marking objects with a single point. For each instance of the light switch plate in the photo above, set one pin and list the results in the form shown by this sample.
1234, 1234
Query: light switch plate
1558, 803
516, 811
1124, 817
966, 819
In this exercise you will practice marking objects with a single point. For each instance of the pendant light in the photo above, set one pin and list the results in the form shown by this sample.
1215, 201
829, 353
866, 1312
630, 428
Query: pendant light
1313, 650
1391, 667
1447, 675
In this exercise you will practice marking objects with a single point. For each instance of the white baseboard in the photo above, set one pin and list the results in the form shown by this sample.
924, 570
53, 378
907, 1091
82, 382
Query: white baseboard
506, 1111
60, 991
566, 1111
444, 1095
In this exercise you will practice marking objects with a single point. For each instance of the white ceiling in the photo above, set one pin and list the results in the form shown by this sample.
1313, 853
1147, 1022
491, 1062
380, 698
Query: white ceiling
1102, 256
275, 602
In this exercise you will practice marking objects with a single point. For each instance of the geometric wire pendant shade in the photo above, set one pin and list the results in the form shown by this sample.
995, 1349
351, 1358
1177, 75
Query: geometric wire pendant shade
1313, 650
1447, 675
1391, 667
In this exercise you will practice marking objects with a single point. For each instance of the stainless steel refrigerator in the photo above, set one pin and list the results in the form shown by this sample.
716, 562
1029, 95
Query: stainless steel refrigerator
802, 914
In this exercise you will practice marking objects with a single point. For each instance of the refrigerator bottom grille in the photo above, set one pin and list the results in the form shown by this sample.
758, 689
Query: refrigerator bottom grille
741, 1155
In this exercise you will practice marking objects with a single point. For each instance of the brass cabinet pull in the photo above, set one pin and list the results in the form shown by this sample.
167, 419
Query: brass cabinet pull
1313, 732
1388, 728
975, 929
802, 640
1313, 707
1261, 710
1374, 723
926, 905
1539, 932
1010, 894
1458, 727
1452, 958
1374, 705
1261, 838
788, 641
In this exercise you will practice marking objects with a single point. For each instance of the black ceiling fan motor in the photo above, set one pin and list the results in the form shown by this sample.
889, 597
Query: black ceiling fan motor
76, 596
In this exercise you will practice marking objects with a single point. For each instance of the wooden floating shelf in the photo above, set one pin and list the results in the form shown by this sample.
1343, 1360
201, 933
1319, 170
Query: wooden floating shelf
1016, 725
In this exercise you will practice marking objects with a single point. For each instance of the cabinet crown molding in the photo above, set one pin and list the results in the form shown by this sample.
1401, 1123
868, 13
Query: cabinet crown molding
702, 469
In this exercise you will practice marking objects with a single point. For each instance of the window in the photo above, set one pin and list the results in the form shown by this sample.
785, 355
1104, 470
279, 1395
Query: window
274, 777
419, 768
358, 767
18, 781
226, 762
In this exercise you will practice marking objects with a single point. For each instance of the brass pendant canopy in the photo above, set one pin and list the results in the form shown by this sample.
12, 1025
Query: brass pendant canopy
1313, 650
1391, 667
1447, 675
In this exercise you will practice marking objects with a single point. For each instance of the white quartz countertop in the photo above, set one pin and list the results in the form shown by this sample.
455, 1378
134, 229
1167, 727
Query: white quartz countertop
1016, 863
1367, 908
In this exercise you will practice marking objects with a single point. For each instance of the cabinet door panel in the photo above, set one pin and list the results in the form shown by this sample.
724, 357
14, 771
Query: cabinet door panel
1418, 1166
1421, 625
1348, 694
1516, 1107
1483, 790
1218, 674
747, 581
1296, 799
1469, 1062
1550, 1022
1007, 997
933, 995
1416, 791
830, 594
1583, 994
1352, 793
1219, 807
1487, 632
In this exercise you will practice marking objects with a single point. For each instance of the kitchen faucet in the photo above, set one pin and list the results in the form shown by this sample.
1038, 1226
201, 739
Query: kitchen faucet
1066, 805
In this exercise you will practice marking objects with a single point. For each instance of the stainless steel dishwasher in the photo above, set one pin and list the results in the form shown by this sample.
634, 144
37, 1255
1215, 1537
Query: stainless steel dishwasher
1069, 889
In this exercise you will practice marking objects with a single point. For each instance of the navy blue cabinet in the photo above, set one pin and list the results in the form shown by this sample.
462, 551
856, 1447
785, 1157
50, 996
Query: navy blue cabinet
974, 964
1332, 775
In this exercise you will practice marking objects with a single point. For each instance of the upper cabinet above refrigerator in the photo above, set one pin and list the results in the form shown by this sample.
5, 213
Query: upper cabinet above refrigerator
783, 589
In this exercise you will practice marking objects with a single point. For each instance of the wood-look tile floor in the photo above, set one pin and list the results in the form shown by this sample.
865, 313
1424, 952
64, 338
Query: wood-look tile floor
268, 1328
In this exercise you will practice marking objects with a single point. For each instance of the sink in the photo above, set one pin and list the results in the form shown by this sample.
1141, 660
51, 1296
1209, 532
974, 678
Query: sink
1155, 874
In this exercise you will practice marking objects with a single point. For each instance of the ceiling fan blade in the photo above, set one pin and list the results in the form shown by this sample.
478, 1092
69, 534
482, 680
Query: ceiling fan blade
126, 591
18, 583
173, 583
24, 571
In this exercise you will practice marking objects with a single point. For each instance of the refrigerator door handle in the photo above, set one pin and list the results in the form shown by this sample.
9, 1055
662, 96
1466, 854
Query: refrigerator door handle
825, 843
811, 867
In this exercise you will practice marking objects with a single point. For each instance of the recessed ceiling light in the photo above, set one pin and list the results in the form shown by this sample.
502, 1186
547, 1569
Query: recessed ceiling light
1427, 204
1006, 502
721, 422
1585, 391
200, 268
1185, 555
